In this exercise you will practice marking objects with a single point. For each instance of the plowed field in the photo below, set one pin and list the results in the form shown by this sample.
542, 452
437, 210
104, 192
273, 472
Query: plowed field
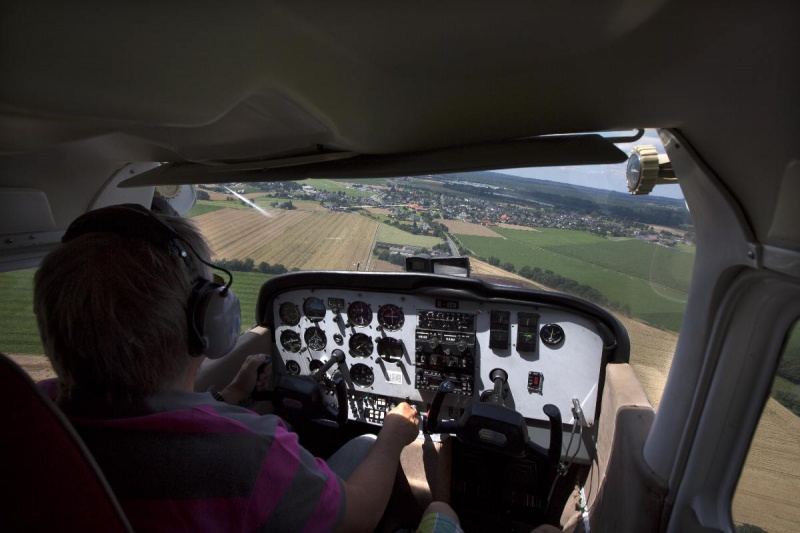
296, 239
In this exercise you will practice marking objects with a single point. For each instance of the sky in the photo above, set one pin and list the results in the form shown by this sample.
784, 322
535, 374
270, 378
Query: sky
609, 177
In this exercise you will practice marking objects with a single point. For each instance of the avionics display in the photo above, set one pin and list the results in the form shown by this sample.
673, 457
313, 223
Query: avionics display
445, 350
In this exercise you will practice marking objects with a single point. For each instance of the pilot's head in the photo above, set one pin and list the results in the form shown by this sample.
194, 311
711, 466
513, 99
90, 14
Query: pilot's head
112, 313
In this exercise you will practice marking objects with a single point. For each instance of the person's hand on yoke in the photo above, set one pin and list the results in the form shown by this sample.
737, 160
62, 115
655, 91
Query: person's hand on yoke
248, 378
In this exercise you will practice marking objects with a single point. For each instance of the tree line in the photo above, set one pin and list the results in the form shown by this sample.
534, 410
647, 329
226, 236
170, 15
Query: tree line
248, 264
561, 283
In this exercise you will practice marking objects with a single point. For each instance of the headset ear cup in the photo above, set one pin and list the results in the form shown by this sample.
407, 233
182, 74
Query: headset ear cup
216, 320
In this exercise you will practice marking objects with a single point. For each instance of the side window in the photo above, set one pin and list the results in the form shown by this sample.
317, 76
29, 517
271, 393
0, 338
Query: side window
765, 498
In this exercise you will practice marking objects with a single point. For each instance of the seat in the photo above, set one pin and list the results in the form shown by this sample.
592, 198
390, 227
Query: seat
50, 481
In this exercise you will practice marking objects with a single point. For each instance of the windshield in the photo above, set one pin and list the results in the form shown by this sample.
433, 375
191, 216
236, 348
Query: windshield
573, 229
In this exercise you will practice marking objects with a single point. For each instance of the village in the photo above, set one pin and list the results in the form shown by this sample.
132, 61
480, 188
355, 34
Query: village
415, 207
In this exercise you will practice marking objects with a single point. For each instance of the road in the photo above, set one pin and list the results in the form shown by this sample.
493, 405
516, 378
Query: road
452, 245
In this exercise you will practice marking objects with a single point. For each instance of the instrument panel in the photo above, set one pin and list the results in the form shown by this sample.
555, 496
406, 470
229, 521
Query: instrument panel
401, 343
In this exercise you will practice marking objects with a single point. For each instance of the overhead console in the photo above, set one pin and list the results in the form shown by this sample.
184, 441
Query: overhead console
402, 335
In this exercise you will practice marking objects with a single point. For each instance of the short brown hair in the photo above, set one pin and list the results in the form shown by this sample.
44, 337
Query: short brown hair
112, 314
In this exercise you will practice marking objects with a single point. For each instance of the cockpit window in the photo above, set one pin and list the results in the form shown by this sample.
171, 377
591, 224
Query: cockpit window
575, 230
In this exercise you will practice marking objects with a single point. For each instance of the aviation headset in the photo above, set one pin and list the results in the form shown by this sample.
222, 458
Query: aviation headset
213, 312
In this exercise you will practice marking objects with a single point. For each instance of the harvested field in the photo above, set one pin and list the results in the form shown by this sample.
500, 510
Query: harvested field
296, 239
378, 210
768, 484
481, 268
384, 266
459, 227
38, 367
675, 231
651, 355
514, 226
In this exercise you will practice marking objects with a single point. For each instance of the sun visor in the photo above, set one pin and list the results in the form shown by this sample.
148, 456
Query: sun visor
549, 151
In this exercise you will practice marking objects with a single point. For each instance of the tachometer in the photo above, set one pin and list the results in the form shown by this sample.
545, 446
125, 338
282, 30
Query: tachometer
290, 341
391, 317
362, 375
315, 339
361, 345
359, 313
314, 309
289, 313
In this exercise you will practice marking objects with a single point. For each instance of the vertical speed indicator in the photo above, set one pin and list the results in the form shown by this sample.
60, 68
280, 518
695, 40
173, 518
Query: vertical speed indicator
391, 317
359, 313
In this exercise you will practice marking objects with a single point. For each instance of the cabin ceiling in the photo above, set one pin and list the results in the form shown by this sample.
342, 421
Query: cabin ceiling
233, 82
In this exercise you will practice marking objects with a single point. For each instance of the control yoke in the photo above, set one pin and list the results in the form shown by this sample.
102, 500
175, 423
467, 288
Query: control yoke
303, 396
491, 425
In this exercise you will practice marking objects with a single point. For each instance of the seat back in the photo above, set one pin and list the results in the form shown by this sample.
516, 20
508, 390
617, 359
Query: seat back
49, 480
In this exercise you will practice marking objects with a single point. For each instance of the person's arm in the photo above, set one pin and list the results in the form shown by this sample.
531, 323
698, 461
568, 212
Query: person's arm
247, 379
368, 489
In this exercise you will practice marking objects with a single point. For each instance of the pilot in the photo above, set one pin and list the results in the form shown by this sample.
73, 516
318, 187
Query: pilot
114, 309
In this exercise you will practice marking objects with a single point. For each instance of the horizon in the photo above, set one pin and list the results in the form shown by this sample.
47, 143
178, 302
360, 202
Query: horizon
605, 177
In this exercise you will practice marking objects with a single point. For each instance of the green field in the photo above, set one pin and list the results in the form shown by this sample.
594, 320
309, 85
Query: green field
213, 205
390, 234
650, 262
246, 286
302, 205
202, 207
334, 186
650, 279
18, 332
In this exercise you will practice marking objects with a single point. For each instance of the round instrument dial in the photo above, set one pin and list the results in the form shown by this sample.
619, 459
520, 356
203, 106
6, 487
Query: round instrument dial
289, 313
390, 348
362, 375
314, 308
552, 334
361, 345
315, 339
391, 317
359, 313
293, 368
315, 365
290, 340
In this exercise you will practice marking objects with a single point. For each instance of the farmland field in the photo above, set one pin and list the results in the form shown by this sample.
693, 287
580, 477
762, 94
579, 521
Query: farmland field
265, 202
306, 240
764, 495
335, 186
392, 235
201, 208
378, 210
17, 321
223, 195
384, 266
515, 226
460, 227
658, 264
654, 292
